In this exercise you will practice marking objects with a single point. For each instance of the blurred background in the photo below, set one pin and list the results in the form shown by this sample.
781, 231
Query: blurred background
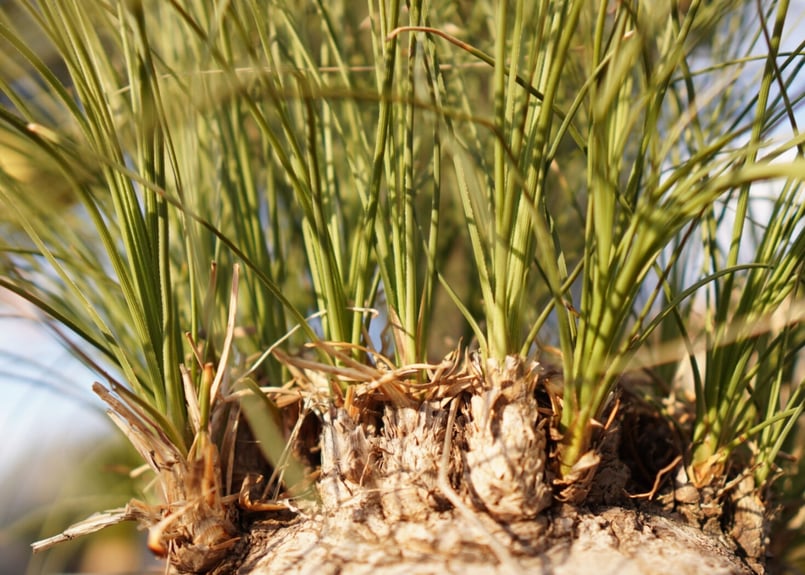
61, 456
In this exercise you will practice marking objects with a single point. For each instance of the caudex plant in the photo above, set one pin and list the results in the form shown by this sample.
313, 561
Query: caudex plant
466, 258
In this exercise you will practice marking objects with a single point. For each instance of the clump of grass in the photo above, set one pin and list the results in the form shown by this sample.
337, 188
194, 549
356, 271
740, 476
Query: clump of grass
340, 155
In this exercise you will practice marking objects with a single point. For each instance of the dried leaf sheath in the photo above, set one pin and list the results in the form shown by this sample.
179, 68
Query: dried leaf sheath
196, 526
94, 523
408, 483
506, 446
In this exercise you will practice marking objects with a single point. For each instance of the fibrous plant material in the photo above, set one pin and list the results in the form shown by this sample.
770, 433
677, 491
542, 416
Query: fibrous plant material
506, 455
456, 474
431, 489
195, 528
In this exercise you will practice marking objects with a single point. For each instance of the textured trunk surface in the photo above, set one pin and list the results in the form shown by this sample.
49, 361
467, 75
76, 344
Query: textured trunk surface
454, 475
613, 540
461, 485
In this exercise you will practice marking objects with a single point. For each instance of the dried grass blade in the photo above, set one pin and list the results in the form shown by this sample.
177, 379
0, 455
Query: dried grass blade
91, 524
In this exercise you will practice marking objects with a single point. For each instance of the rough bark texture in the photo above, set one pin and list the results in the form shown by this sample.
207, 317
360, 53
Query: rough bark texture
454, 475
565, 542
462, 485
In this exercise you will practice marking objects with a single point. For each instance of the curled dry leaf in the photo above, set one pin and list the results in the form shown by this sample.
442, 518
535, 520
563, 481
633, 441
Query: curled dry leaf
574, 487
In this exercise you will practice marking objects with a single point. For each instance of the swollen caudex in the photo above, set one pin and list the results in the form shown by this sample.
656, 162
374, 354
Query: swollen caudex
498, 457
506, 456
